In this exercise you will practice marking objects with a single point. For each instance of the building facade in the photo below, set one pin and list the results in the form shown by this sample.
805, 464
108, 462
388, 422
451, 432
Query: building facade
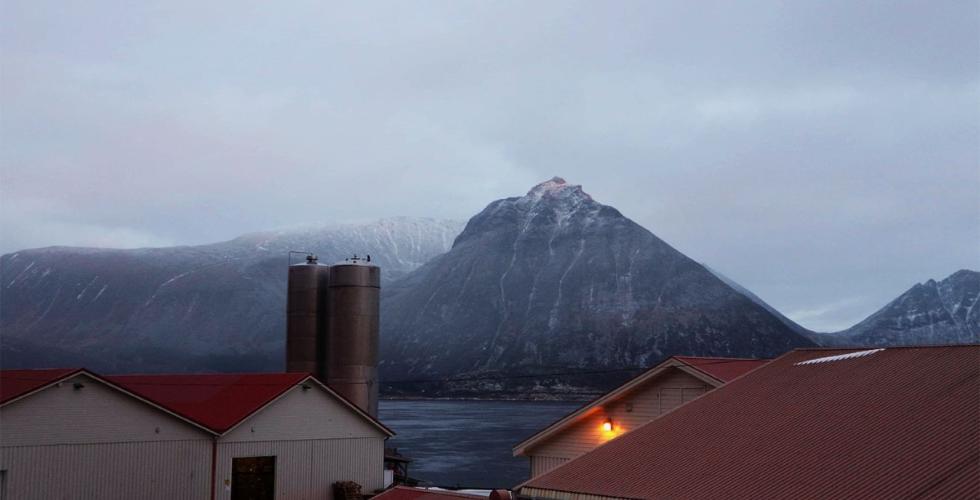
74, 434
895, 423
655, 392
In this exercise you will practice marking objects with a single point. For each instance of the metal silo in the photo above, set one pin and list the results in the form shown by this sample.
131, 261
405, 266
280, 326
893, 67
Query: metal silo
305, 323
352, 338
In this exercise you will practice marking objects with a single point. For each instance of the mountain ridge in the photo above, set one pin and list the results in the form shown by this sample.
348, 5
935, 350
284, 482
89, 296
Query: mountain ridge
183, 308
556, 264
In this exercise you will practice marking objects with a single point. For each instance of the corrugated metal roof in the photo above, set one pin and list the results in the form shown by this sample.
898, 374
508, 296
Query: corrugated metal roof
898, 423
216, 401
406, 493
16, 383
724, 369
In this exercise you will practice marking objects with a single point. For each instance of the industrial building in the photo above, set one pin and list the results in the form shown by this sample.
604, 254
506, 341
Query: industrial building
75, 434
656, 391
71, 433
895, 423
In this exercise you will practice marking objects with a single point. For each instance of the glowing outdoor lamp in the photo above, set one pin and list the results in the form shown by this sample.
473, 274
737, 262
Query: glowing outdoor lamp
607, 425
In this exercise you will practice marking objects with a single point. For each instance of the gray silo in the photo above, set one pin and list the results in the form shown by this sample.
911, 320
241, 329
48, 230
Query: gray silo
306, 298
352, 339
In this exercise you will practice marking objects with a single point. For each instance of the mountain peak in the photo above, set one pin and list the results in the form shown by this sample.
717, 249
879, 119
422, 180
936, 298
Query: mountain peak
556, 187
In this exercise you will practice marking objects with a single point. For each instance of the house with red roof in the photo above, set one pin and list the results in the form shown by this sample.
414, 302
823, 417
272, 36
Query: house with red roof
892, 423
658, 390
76, 434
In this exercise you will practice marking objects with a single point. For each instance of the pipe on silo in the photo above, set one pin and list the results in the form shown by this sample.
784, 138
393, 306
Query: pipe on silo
306, 292
351, 349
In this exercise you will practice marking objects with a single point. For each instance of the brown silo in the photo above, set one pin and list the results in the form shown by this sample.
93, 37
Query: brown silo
352, 339
305, 323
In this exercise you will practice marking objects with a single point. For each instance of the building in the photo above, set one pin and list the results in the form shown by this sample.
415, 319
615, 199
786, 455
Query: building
815, 423
658, 390
75, 434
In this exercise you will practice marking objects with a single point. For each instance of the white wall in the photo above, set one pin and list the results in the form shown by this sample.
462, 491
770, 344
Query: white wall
316, 441
96, 413
96, 443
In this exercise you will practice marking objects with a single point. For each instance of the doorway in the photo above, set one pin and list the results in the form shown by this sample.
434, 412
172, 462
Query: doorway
253, 478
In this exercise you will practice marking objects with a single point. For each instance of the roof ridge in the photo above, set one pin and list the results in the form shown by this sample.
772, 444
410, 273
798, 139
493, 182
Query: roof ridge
866, 347
684, 356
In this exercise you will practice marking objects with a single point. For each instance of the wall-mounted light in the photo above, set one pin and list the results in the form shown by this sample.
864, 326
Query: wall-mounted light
78, 385
607, 425
305, 387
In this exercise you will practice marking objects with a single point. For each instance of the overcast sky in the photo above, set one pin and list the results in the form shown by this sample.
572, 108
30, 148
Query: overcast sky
823, 154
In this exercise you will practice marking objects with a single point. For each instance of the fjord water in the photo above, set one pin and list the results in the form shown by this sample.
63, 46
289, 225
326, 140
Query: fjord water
467, 443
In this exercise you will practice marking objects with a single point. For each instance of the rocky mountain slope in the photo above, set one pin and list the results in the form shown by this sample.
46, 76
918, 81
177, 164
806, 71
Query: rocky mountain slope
554, 280
209, 307
934, 312
796, 327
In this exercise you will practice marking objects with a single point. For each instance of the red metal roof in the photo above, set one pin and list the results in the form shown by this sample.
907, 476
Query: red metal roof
723, 369
892, 423
406, 493
16, 383
217, 401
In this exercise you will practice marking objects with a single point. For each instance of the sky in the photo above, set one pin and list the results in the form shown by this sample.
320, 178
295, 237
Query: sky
825, 154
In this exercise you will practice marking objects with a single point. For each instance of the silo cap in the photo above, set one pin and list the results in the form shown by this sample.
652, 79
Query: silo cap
356, 261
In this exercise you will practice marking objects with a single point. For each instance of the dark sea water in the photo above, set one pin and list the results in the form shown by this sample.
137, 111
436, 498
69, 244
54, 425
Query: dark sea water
467, 443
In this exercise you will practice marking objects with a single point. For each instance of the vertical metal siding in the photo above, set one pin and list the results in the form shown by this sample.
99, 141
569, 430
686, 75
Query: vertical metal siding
308, 468
147, 471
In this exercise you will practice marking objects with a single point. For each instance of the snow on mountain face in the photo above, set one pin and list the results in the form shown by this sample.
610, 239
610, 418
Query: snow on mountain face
944, 312
556, 279
209, 307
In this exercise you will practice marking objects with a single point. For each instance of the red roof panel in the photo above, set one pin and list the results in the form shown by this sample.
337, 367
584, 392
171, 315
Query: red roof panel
892, 423
723, 369
215, 401
16, 383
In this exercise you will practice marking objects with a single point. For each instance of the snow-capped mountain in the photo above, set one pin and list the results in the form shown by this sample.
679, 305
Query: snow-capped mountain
554, 280
934, 312
208, 307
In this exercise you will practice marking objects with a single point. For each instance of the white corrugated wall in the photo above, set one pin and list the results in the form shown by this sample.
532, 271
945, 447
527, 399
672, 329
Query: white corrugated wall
308, 468
143, 470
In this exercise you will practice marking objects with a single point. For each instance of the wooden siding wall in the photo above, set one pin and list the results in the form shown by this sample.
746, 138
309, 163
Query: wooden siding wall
541, 464
639, 406
308, 468
161, 470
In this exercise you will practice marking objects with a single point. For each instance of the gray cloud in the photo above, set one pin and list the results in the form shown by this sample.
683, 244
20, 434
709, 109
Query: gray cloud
823, 154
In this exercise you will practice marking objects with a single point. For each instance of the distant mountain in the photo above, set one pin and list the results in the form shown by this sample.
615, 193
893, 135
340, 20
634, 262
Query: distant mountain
210, 307
796, 327
943, 312
554, 280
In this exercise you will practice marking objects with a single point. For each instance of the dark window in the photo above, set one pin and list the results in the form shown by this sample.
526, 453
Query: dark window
253, 478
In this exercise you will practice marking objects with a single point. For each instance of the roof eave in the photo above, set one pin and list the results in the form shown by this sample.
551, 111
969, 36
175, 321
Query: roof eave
310, 378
